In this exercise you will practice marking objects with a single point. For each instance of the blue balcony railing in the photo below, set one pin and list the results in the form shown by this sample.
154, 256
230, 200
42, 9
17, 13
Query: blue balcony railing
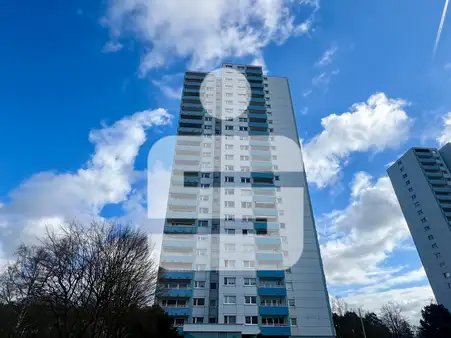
266, 256
186, 112
275, 331
191, 90
273, 310
258, 133
177, 293
259, 108
265, 226
179, 275
193, 83
261, 174
177, 311
270, 273
258, 124
176, 259
267, 240
254, 78
254, 71
180, 229
262, 291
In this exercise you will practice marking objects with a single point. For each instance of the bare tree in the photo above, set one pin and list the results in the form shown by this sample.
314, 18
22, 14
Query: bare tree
339, 306
84, 277
394, 319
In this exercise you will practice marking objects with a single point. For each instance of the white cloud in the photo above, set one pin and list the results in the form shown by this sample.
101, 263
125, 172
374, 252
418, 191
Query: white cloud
360, 237
447, 66
112, 47
324, 78
170, 85
327, 57
374, 125
445, 134
49, 198
206, 32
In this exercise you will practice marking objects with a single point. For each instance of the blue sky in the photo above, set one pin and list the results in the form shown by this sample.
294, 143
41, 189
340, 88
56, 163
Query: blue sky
87, 87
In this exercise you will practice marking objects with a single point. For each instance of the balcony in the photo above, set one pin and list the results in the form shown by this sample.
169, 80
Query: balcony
428, 161
191, 90
267, 240
273, 310
177, 293
179, 244
193, 83
256, 85
261, 141
177, 311
176, 259
185, 113
191, 121
258, 125
257, 99
182, 202
189, 131
262, 164
182, 275
444, 189
185, 214
275, 331
270, 273
255, 78
263, 185
259, 108
266, 226
189, 76
195, 98
258, 133
274, 256
434, 175
192, 105
256, 71
271, 291
265, 211
261, 174
171, 229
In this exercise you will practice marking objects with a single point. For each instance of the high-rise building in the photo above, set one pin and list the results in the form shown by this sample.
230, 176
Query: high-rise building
422, 182
230, 265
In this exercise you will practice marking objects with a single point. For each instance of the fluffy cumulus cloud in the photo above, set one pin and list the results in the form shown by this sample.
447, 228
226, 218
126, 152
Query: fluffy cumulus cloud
361, 236
445, 134
49, 198
379, 123
357, 242
205, 32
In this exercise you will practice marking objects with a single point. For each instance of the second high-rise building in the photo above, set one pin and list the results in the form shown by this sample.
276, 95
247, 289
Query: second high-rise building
240, 255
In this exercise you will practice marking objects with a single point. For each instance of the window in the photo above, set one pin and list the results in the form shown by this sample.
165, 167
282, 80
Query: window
229, 281
417, 204
207, 145
246, 192
229, 157
199, 301
245, 180
201, 252
244, 147
229, 146
245, 169
291, 302
423, 220
427, 228
212, 320
205, 175
285, 254
250, 281
420, 212
179, 321
213, 302
277, 177
229, 299
430, 237
437, 255
212, 286
248, 232
404, 176
229, 217
250, 300
399, 162
246, 218
228, 127
293, 322
201, 267
243, 128
414, 196
442, 264
206, 154
230, 192
447, 275
410, 189
205, 185
198, 320
229, 247
249, 264
434, 246
199, 284
203, 210
229, 179
229, 204
246, 204
289, 286
248, 247
279, 200
229, 168
282, 225
229, 231
251, 320
202, 224
284, 239
207, 127
204, 197
242, 119
244, 158
229, 319
229, 263
407, 182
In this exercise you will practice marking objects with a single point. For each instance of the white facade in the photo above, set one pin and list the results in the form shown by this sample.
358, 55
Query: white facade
231, 294
422, 183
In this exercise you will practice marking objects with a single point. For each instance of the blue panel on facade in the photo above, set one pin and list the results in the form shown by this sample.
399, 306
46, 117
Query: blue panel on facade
193, 83
262, 174
270, 273
177, 275
177, 312
272, 291
263, 185
269, 256
191, 90
256, 85
191, 121
192, 113
264, 199
258, 133
194, 77
258, 124
262, 116
190, 97
180, 229
257, 99
266, 240
177, 293
256, 107
266, 211
264, 225
255, 78
254, 71
275, 330
273, 310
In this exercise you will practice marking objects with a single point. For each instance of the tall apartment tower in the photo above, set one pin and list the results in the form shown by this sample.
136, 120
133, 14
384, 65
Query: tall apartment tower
226, 239
422, 182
